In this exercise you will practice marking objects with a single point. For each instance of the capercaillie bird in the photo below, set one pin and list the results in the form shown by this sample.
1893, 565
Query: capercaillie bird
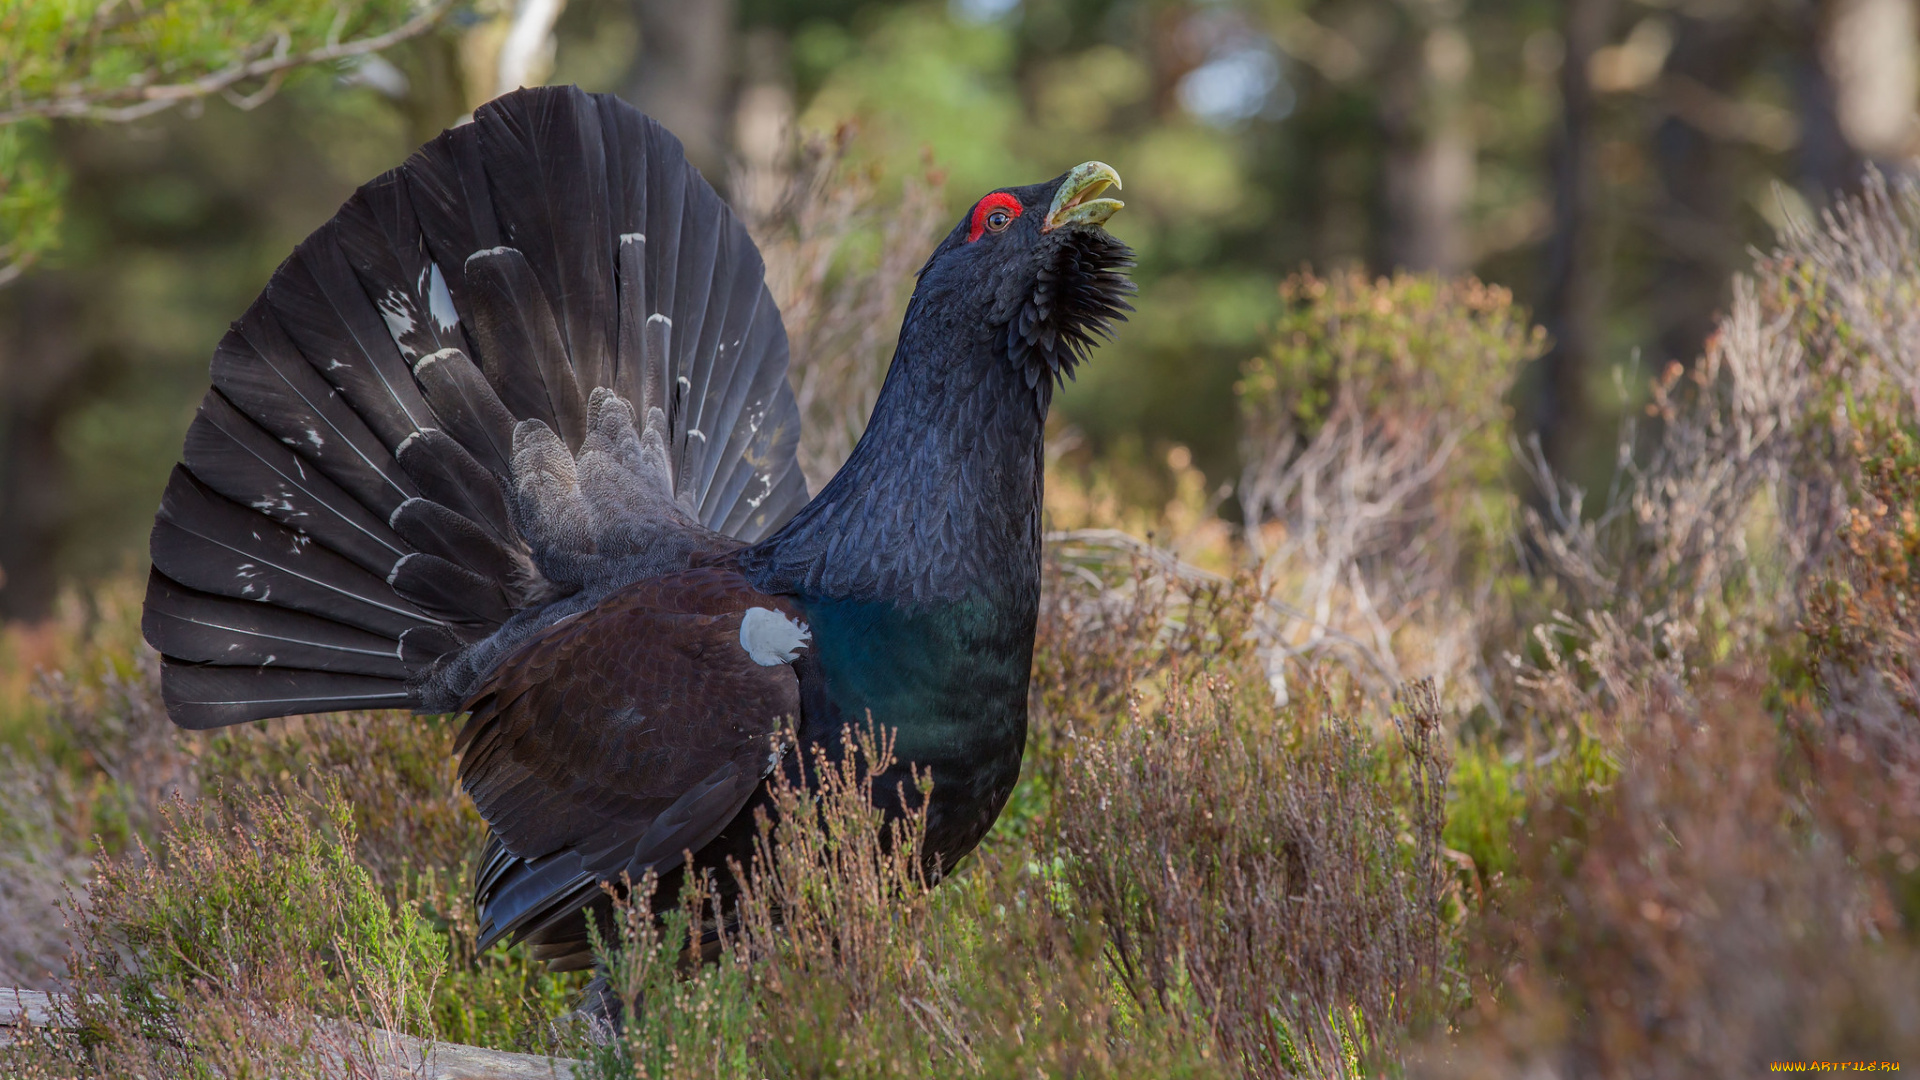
511, 435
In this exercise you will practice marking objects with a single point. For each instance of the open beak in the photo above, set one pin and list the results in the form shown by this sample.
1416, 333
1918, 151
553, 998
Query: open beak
1078, 202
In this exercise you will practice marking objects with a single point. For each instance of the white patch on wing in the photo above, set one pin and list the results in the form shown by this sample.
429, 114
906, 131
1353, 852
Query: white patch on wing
771, 638
440, 301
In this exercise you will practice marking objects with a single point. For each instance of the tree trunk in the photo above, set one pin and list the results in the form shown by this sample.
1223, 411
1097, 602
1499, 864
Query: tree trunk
684, 75
1430, 153
1557, 409
41, 364
1695, 228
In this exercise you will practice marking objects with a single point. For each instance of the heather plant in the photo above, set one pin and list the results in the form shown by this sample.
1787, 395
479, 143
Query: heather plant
1253, 861
1704, 541
1733, 882
839, 958
250, 940
1727, 505
681, 1018
1861, 622
1374, 492
1704, 914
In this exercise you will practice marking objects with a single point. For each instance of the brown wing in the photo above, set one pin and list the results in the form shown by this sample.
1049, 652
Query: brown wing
632, 732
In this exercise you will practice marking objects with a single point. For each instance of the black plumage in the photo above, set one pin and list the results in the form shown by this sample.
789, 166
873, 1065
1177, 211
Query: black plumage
468, 407
521, 350
452, 478
512, 435
204, 628
208, 542
258, 369
233, 456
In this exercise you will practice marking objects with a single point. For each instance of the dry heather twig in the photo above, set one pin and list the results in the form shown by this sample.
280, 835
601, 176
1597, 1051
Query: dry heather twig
1857, 271
1719, 535
1256, 883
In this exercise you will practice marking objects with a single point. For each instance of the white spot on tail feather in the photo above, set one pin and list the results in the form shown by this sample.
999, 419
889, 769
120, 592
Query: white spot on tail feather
633, 238
659, 318
440, 301
772, 638
397, 309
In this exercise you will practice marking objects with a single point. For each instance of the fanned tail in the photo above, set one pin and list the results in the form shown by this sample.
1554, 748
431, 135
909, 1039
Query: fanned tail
351, 514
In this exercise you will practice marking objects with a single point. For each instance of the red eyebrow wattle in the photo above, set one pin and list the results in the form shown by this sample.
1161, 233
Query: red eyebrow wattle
999, 200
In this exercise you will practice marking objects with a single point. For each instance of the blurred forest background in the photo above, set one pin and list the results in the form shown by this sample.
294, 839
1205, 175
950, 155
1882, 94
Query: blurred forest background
1611, 161
1657, 812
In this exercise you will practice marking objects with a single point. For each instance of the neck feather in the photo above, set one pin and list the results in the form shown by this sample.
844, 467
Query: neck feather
940, 500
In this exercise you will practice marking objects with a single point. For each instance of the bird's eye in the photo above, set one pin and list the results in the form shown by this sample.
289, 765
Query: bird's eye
993, 214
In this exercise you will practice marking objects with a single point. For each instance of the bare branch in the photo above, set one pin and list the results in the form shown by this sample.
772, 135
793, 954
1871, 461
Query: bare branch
147, 100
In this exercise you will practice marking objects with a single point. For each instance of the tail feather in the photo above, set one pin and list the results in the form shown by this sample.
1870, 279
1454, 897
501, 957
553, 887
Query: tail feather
258, 369
330, 319
744, 497
202, 540
466, 600
203, 628
471, 411
719, 414
447, 182
696, 336
432, 528
380, 236
547, 170
233, 456
639, 362
521, 349
201, 696
343, 520
450, 476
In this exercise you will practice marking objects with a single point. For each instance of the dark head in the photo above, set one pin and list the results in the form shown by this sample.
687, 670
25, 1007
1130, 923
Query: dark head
941, 497
1033, 265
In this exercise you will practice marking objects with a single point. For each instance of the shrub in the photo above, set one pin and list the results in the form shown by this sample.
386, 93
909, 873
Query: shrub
1375, 451
1275, 880
1702, 916
840, 959
250, 941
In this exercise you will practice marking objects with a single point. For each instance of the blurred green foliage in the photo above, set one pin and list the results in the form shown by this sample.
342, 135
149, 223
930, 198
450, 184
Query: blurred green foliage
123, 61
30, 190
93, 54
1417, 344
